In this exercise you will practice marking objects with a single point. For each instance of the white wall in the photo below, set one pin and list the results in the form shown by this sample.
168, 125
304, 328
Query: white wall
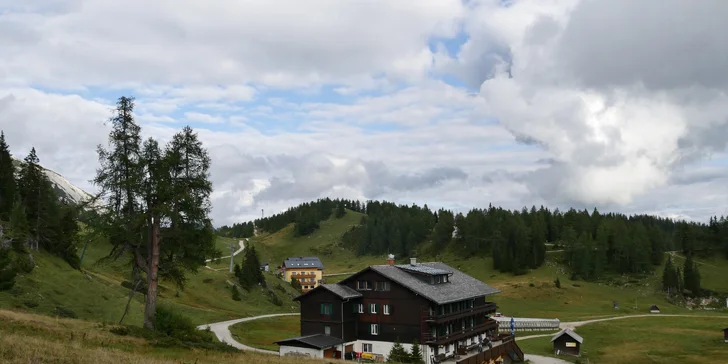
304, 352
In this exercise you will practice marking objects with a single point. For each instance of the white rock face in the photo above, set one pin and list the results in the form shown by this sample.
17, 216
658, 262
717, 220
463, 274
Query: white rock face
64, 188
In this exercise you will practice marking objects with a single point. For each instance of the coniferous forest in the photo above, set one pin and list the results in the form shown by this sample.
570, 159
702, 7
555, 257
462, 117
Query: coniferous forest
32, 217
594, 244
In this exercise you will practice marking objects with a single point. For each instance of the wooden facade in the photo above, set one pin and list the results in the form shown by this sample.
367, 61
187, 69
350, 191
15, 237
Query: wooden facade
323, 312
386, 304
567, 343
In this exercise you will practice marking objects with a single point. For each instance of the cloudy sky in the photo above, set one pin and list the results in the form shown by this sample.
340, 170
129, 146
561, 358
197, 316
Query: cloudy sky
617, 104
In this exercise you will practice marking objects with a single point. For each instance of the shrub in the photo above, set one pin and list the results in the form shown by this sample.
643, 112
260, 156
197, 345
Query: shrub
274, 299
236, 293
557, 282
31, 304
296, 284
65, 312
174, 325
23, 262
207, 280
120, 330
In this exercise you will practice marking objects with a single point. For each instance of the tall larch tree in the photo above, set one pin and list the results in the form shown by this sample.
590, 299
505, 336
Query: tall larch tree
157, 202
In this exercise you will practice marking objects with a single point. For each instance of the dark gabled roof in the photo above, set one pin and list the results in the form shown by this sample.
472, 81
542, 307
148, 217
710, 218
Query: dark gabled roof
460, 286
423, 269
342, 291
318, 341
569, 332
303, 262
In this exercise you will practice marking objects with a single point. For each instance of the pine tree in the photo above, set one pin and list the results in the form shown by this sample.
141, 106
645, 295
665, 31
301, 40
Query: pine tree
7, 180
250, 273
691, 276
40, 203
340, 210
398, 354
7, 272
670, 279
415, 356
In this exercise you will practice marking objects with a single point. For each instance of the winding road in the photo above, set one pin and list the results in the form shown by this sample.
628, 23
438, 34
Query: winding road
222, 331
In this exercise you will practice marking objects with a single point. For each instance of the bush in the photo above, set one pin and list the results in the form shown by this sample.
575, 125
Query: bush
120, 330
23, 262
236, 293
274, 299
65, 312
207, 280
175, 325
557, 282
31, 304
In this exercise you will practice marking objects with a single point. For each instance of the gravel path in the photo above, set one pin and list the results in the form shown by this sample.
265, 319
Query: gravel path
241, 243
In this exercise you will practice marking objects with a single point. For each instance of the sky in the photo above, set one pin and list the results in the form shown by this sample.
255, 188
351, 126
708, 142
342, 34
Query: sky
615, 104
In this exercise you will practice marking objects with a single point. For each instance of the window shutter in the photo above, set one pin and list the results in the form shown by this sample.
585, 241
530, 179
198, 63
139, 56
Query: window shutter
376, 308
354, 308
322, 308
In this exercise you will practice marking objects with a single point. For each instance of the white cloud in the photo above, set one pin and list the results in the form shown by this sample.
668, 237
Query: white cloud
579, 103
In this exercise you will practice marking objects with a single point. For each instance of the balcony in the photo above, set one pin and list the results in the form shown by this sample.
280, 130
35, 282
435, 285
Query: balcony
303, 275
488, 307
461, 334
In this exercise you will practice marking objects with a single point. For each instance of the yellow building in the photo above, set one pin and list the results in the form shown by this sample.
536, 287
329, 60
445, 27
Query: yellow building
307, 270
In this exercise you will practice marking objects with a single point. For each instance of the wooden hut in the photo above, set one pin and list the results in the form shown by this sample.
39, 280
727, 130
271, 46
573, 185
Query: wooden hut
567, 342
654, 309
725, 335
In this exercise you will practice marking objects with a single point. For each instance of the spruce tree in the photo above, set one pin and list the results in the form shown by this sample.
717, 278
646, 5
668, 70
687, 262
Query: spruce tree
296, 284
669, 277
398, 354
691, 276
415, 356
40, 203
340, 210
250, 273
7, 180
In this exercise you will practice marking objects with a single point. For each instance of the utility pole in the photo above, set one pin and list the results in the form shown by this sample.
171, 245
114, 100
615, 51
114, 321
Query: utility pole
232, 256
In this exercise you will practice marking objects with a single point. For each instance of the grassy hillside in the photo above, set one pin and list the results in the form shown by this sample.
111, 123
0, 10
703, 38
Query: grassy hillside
96, 292
530, 295
323, 243
646, 340
28, 338
264, 332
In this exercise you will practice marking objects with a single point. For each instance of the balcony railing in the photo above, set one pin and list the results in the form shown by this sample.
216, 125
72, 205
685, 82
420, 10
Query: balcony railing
428, 338
303, 275
487, 308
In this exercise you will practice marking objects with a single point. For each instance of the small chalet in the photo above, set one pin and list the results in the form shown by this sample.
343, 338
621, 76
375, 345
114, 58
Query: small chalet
444, 309
265, 267
725, 335
567, 342
309, 271
654, 309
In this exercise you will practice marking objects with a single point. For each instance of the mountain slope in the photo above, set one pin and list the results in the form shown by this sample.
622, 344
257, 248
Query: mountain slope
66, 190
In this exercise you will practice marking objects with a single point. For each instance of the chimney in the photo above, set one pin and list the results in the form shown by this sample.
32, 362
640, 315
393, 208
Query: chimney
413, 261
390, 259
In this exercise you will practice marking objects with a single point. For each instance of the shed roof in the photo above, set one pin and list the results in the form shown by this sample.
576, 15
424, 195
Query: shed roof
303, 262
569, 332
342, 291
460, 286
317, 341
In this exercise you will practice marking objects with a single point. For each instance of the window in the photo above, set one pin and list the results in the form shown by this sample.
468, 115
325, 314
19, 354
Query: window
327, 330
444, 279
374, 329
382, 286
327, 308
367, 348
361, 307
385, 309
373, 308
364, 285
438, 279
